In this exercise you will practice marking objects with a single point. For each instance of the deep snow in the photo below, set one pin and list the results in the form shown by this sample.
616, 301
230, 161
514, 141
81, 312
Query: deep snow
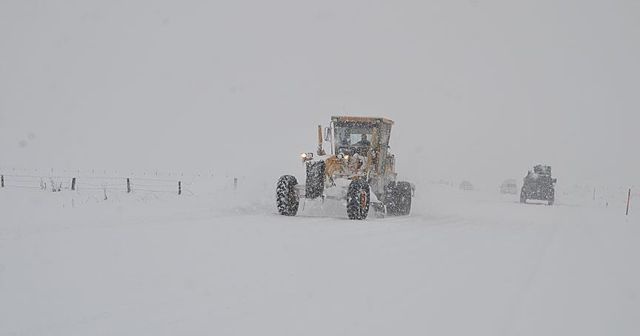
223, 263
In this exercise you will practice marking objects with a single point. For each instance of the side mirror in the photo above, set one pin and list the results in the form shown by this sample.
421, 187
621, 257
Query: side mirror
327, 134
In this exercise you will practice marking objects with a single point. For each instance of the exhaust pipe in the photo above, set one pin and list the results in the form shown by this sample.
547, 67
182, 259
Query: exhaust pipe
320, 150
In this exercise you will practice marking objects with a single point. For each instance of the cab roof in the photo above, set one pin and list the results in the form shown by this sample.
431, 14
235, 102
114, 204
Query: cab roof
368, 120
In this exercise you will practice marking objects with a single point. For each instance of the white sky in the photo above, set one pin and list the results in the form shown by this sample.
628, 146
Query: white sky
479, 90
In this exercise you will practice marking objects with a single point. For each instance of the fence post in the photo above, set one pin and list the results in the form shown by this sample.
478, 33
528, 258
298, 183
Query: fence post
235, 183
179, 187
1, 181
628, 200
73, 183
128, 185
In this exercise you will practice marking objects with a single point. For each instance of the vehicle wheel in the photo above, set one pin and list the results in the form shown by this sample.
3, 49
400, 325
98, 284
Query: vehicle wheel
314, 186
358, 199
523, 197
403, 198
287, 198
398, 198
390, 199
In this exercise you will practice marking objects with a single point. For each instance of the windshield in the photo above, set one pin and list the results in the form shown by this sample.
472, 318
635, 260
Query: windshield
353, 136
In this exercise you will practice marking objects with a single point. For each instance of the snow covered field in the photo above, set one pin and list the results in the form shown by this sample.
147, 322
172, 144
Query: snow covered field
479, 91
223, 263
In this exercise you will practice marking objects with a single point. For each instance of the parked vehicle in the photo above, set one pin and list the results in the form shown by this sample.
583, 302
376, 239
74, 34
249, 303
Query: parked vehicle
509, 187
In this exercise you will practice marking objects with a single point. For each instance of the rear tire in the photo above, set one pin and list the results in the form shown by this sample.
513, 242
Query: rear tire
390, 199
314, 186
398, 198
287, 199
403, 198
358, 200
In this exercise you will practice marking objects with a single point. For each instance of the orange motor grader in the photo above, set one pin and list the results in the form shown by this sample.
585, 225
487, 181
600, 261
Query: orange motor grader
359, 169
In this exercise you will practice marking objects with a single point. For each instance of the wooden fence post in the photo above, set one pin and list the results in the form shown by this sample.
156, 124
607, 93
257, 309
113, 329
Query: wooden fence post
628, 200
179, 187
73, 183
128, 185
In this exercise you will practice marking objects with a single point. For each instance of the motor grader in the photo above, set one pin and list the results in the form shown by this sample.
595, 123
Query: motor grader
358, 170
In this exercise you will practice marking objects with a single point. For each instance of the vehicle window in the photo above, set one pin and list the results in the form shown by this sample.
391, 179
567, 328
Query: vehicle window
350, 136
355, 138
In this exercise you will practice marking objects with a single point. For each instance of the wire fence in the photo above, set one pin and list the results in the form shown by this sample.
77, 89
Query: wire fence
88, 183
104, 181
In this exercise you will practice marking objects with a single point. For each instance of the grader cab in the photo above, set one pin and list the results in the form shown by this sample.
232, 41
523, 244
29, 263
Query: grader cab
358, 169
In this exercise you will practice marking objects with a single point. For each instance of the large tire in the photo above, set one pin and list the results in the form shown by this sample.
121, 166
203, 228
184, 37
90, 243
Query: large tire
397, 198
358, 200
287, 199
390, 199
314, 186
403, 198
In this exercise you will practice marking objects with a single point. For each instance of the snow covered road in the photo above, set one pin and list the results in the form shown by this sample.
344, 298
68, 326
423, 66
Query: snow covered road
462, 263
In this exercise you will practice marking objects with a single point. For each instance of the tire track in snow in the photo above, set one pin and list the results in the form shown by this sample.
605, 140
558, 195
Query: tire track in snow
514, 309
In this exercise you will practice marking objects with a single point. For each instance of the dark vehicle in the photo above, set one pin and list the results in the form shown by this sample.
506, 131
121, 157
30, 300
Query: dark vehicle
538, 185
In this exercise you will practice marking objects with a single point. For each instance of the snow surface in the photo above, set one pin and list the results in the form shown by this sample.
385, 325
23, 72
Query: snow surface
478, 90
224, 263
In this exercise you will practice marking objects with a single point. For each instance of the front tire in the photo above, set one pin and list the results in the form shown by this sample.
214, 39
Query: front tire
287, 199
358, 200
523, 197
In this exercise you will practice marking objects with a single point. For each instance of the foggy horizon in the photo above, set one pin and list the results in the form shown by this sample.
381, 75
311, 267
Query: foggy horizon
478, 90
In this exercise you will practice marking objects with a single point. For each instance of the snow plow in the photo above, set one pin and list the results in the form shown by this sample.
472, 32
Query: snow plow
359, 170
